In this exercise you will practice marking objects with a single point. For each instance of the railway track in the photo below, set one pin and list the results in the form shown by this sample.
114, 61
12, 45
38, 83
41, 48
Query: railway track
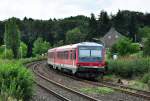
118, 87
71, 95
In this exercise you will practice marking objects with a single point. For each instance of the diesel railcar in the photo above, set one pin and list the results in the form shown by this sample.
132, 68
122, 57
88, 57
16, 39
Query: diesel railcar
85, 59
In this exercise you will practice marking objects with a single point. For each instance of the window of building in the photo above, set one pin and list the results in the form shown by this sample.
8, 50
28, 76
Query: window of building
116, 36
109, 37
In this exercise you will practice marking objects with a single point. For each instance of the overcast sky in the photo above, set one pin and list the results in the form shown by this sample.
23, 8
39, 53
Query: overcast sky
45, 9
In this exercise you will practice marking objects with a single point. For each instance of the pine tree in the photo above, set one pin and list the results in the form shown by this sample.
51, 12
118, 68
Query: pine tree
12, 36
103, 23
92, 27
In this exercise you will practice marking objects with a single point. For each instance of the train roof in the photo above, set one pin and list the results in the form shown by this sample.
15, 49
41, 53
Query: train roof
76, 45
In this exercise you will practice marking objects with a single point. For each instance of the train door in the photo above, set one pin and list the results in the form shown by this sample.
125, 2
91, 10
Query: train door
74, 57
71, 58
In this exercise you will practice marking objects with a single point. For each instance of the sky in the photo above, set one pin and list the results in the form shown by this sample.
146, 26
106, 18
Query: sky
46, 9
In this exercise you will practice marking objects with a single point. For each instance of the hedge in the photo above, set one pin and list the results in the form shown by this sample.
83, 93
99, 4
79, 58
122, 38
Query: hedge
129, 67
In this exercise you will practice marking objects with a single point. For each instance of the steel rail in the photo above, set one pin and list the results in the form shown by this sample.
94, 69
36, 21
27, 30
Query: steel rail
64, 87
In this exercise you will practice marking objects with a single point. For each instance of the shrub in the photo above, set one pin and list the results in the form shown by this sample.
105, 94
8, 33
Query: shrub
22, 50
129, 67
124, 46
2, 48
146, 48
40, 46
15, 81
146, 78
149, 84
135, 47
8, 55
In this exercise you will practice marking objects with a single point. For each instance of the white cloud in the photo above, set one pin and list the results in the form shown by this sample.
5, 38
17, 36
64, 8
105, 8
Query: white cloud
45, 9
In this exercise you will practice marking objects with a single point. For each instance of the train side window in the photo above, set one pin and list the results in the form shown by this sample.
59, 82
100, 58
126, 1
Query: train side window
63, 55
66, 55
71, 55
74, 54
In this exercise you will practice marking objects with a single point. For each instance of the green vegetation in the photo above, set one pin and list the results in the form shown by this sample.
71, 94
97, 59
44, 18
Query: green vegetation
98, 90
12, 36
138, 85
28, 60
8, 54
16, 82
40, 46
128, 23
129, 67
125, 47
146, 48
74, 36
146, 78
22, 50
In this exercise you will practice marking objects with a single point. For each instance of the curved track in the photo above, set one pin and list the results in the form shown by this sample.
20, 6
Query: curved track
115, 86
71, 95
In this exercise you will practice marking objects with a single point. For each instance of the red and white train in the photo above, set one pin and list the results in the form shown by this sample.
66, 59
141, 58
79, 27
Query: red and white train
86, 59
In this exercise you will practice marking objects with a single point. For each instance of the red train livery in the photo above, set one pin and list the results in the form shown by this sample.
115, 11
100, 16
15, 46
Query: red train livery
85, 59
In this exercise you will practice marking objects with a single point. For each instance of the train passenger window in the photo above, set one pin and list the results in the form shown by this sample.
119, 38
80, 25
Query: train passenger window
71, 54
66, 55
74, 54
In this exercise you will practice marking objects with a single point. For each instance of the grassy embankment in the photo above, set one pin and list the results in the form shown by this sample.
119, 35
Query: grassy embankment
16, 82
134, 70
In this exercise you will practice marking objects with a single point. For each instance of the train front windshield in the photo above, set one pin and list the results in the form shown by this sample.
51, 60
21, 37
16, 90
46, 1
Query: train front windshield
90, 54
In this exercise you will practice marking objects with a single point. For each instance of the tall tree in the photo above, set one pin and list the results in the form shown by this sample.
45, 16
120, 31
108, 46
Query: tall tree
75, 35
92, 27
133, 28
2, 27
12, 36
120, 23
103, 23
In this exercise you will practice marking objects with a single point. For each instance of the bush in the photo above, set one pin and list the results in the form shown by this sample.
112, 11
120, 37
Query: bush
135, 47
15, 81
22, 50
146, 48
8, 54
124, 46
129, 67
40, 47
2, 48
149, 84
146, 78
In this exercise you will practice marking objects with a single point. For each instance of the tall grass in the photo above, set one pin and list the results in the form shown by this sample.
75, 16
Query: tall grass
129, 67
16, 82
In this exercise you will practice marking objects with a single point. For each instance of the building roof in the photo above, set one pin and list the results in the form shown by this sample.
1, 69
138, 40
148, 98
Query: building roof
111, 37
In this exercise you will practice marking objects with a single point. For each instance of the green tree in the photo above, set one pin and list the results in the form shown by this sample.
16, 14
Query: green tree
22, 50
124, 46
92, 27
103, 23
74, 36
12, 36
8, 54
144, 31
146, 48
133, 28
40, 46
